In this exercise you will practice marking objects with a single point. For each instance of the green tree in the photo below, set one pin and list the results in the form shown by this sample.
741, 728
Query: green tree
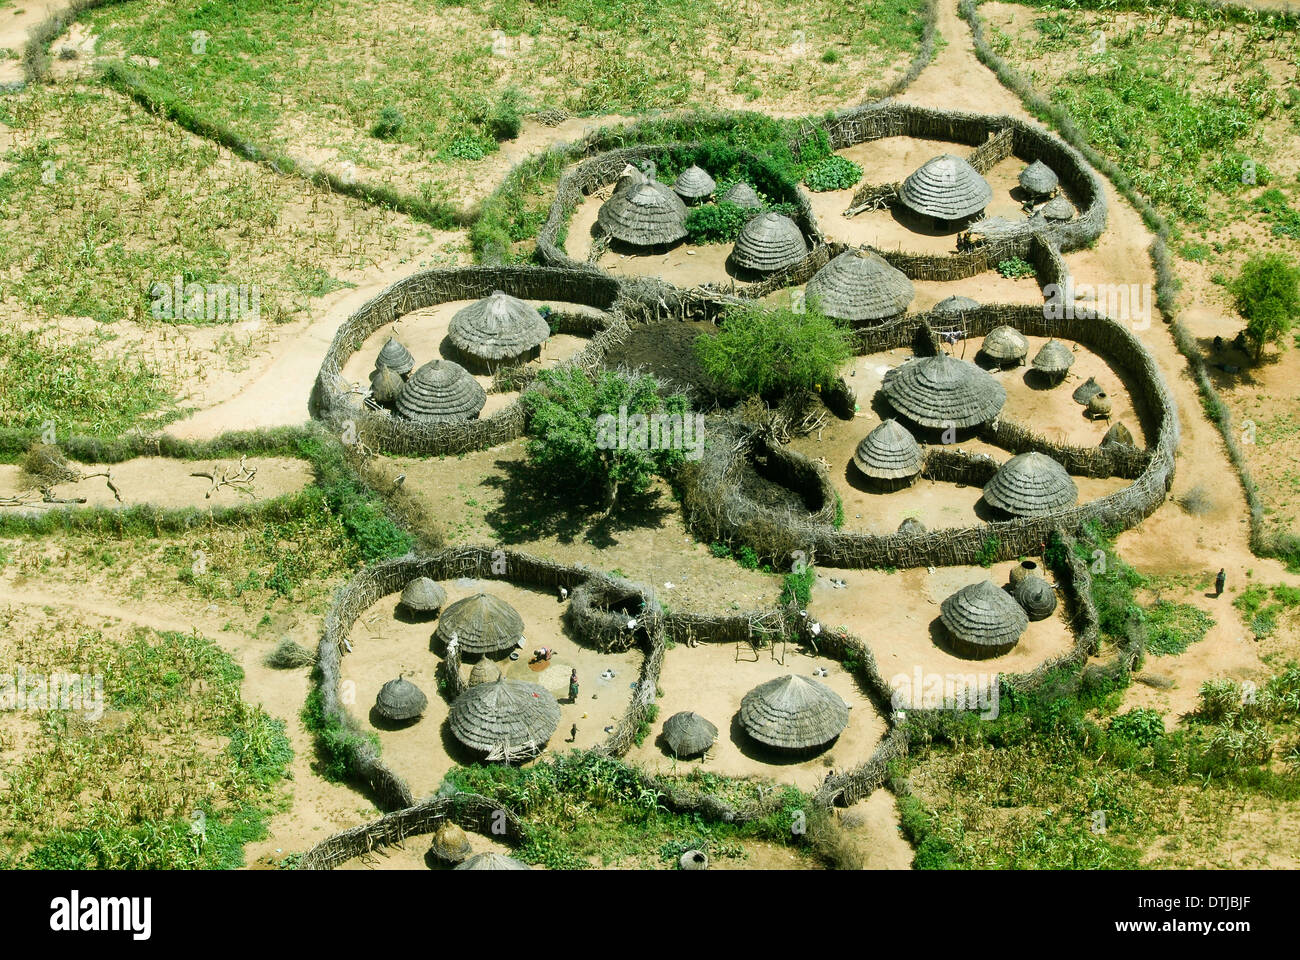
591, 433
763, 351
1268, 296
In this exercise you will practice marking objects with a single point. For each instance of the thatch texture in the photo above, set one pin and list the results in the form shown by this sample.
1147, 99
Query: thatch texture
1035, 596
946, 188
1005, 345
482, 624
492, 861
742, 195
911, 526
888, 452
859, 285
505, 720
441, 392
956, 304
485, 671
1086, 391
694, 184
793, 713
497, 330
769, 242
395, 356
644, 216
941, 391
1039, 180
1031, 485
400, 699
688, 734
423, 596
450, 844
1118, 436
983, 620
385, 384
1054, 358
1058, 210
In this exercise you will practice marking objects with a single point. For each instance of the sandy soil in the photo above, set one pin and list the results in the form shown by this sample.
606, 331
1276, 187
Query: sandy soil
15, 21
871, 828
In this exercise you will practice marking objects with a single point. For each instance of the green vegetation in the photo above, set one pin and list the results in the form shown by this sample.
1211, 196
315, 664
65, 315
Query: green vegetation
797, 586
833, 173
716, 222
1260, 614
769, 351
988, 551
1015, 268
1267, 292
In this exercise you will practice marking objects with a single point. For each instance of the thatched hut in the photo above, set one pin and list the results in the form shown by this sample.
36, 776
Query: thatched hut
860, 286
395, 356
793, 713
982, 620
687, 734
644, 216
911, 527
1035, 596
1086, 391
422, 597
441, 392
889, 455
742, 195
767, 243
956, 304
385, 384
492, 861
485, 671
1054, 360
497, 331
947, 189
1118, 436
1058, 210
400, 700
482, 624
1004, 346
942, 391
1039, 180
1030, 485
506, 720
693, 185
450, 845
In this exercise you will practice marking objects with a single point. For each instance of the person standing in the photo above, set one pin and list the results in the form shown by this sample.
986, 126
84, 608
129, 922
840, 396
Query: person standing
573, 686
573, 734
1219, 581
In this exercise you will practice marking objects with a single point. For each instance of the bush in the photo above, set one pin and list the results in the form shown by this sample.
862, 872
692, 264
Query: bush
1140, 725
1015, 268
833, 173
389, 124
770, 351
716, 222
1267, 292
797, 588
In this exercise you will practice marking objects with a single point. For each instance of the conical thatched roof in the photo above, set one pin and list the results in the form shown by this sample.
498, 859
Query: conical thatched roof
946, 188
911, 526
450, 845
423, 595
693, 184
769, 242
1031, 484
983, 619
1039, 179
1058, 209
505, 720
644, 216
1054, 357
385, 384
936, 391
1118, 436
400, 699
497, 328
860, 285
888, 452
1086, 391
492, 861
1005, 345
441, 392
743, 195
482, 624
395, 356
795, 713
688, 734
1035, 596
631, 176
956, 304
485, 671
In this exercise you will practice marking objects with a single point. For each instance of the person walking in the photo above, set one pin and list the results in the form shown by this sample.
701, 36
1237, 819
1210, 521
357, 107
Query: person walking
1219, 581
573, 734
573, 686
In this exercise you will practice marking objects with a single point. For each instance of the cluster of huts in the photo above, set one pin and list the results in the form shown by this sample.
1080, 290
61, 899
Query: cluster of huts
496, 331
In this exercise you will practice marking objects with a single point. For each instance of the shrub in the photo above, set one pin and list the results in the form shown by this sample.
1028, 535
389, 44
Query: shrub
1015, 268
988, 551
716, 222
1267, 292
797, 587
389, 124
1140, 725
768, 351
833, 173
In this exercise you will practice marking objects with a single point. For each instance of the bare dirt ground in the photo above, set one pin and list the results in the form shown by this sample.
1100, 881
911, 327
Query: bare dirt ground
15, 21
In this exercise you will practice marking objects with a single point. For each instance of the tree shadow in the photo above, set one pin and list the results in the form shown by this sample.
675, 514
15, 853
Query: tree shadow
1230, 366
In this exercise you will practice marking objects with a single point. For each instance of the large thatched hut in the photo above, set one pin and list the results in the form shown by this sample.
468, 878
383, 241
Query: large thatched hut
482, 625
694, 184
860, 286
441, 391
497, 331
947, 189
768, 242
889, 455
982, 620
793, 713
492, 861
644, 215
1030, 485
687, 734
1004, 346
507, 720
942, 391
400, 700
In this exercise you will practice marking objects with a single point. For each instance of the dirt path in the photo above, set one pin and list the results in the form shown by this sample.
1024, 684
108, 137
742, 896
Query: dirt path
15, 22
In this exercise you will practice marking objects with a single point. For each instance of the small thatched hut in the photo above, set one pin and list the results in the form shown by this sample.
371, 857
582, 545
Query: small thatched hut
956, 304
492, 861
1058, 210
693, 185
742, 195
860, 286
422, 597
385, 384
1054, 360
1030, 485
793, 713
941, 391
687, 734
400, 700
889, 455
644, 216
1035, 596
1118, 436
1005, 346
485, 671
911, 526
1039, 180
482, 624
450, 845
395, 356
507, 720
497, 331
946, 188
1086, 391
982, 620
441, 392
767, 243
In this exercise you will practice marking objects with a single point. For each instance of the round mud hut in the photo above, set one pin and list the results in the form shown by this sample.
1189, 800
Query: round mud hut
507, 720
492, 861
1053, 361
860, 286
742, 194
395, 356
889, 456
982, 620
1086, 391
400, 701
693, 185
767, 243
1035, 596
687, 734
644, 216
385, 385
1030, 485
1039, 180
940, 391
497, 331
1004, 346
441, 392
793, 713
422, 598
947, 189
482, 624
956, 304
